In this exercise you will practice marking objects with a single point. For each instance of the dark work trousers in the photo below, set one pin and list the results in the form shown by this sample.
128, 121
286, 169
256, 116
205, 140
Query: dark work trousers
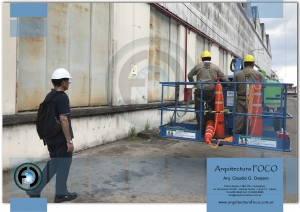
208, 96
239, 122
59, 164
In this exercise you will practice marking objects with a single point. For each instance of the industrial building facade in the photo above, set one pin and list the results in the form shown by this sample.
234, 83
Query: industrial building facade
117, 53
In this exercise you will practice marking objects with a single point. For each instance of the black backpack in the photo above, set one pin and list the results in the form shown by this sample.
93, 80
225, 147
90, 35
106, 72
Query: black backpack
47, 123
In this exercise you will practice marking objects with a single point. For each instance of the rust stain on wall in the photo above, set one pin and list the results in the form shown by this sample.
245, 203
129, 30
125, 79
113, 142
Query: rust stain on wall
16, 108
156, 76
35, 45
30, 99
158, 54
150, 73
56, 26
32, 19
151, 60
81, 8
58, 8
151, 55
157, 62
33, 39
60, 39
151, 22
84, 84
157, 50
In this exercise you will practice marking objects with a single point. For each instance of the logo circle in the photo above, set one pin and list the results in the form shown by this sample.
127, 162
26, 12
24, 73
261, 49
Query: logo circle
28, 176
163, 65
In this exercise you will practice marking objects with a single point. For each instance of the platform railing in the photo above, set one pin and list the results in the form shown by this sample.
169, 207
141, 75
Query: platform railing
281, 114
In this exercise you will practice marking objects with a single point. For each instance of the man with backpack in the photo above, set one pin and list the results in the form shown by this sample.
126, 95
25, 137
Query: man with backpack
206, 72
59, 141
248, 74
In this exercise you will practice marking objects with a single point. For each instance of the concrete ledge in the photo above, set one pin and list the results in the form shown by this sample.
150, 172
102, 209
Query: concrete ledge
29, 117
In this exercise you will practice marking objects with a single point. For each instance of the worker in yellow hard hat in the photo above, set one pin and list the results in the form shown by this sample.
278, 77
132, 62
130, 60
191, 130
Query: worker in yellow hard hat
206, 72
205, 54
248, 74
249, 59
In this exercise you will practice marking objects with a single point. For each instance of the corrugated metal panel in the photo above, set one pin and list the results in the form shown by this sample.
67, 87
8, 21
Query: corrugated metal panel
154, 61
199, 48
151, 55
31, 72
157, 59
99, 54
73, 42
57, 40
221, 59
79, 53
172, 63
222, 22
160, 55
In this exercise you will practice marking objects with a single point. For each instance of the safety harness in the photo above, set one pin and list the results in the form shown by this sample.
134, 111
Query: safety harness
200, 73
242, 87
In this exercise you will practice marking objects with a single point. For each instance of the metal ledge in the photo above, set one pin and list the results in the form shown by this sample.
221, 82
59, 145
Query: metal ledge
29, 117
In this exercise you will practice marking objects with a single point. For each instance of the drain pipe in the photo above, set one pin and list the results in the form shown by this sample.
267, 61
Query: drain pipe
185, 63
187, 91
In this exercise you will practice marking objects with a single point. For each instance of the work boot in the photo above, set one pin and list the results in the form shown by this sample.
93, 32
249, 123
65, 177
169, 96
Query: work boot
68, 197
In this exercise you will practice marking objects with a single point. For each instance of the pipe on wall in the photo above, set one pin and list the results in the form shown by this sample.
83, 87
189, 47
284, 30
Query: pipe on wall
185, 63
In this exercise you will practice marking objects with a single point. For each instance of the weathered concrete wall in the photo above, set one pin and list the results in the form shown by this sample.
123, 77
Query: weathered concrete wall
130, 38
77, 39
191, 51
9, 63
22, 140
214, 54
181, 59
117, 54
102, 44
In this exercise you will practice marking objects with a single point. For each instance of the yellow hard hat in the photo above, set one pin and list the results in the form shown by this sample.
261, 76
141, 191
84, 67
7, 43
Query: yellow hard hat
249, 58
205, 54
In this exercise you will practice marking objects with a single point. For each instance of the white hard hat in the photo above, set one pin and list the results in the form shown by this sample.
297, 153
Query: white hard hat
61, 73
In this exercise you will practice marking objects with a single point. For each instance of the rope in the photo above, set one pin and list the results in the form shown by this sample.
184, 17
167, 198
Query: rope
211, 98
229, 139
253, 88
216, 119
255, 118
250, 106
186, 106
188, 102
214, 147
